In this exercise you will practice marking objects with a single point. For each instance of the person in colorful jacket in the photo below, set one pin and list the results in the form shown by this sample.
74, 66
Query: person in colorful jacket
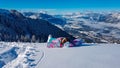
56, 42
62, 42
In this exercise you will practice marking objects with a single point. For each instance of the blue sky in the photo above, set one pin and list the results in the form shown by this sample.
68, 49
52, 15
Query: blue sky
61, 4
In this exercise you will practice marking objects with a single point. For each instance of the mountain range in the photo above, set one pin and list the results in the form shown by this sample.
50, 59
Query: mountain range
93, 27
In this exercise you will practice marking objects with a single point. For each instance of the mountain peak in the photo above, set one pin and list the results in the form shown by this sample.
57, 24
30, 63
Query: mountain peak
16, 13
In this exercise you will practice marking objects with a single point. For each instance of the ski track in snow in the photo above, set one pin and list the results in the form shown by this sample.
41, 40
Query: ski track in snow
40, 58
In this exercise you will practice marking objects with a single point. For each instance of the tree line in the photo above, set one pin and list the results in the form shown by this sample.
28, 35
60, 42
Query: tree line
22, 38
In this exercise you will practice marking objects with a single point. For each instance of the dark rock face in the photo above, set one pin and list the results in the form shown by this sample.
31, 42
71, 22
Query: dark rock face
15, 27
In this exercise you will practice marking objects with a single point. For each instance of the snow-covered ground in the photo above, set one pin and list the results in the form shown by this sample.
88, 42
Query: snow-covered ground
37, 55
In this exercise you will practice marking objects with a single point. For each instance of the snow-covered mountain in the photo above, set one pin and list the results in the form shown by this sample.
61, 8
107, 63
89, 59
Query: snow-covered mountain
91, 26
16, 27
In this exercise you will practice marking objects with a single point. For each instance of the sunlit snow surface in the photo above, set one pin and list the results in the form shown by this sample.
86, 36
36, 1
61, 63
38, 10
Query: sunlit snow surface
37, 55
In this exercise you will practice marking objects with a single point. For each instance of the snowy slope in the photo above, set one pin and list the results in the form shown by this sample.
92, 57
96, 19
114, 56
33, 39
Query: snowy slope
100, 56
36, 55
